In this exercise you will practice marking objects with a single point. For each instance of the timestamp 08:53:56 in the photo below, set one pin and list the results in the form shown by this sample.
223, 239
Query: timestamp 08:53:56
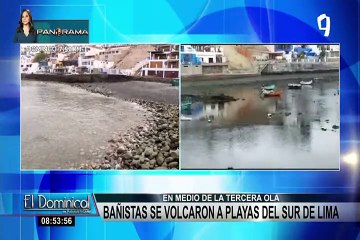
56, 221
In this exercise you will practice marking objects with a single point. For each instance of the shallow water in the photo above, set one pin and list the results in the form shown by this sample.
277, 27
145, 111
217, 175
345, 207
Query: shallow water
242, 134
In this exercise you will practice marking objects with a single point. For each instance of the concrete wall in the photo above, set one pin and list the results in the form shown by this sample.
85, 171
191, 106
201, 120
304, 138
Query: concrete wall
300, 67
214, 69
82, 78
187, 70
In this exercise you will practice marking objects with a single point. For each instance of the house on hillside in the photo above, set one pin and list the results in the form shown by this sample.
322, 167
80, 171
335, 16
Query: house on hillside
162, 62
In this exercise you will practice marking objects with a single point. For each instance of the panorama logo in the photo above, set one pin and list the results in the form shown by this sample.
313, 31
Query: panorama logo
62, 31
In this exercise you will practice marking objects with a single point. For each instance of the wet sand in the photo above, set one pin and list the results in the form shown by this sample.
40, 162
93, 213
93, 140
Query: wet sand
63, 126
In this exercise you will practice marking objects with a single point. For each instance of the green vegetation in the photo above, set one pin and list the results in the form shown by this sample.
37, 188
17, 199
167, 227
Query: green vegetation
322, 53
40, 56
301, 55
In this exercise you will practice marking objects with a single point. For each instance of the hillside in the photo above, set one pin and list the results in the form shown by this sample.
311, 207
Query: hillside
240, 57
133, 55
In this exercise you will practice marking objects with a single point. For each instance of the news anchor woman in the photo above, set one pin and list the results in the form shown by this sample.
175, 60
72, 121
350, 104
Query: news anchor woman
25, 33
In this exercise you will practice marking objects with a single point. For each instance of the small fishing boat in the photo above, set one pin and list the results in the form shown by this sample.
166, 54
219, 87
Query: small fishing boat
268, 87
294, 86
184, 118
306, 82
272, 93
186, 104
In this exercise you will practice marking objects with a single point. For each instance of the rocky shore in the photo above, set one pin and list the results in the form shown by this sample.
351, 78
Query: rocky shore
155, 145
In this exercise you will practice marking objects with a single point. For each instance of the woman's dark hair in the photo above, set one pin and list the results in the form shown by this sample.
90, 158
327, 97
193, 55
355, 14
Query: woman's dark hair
20, 27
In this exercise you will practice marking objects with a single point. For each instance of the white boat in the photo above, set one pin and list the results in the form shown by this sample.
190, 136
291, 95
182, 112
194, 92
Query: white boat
184, 118
294, 86
306, 83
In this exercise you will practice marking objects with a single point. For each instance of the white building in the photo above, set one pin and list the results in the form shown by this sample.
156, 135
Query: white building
164, 62
87, 56
25, 61
206, 53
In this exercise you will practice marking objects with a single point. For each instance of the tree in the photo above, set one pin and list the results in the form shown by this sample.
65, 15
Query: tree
40, 56
301, 55
322, 53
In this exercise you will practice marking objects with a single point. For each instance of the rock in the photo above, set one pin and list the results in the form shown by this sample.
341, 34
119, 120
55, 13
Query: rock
335, 127
117, 166
148, 152
152, 162
82, 153
127, 161
174, 137
127, 155
173, 165
160, 159
169, 159
162, 168
287, 113
135, 163
163, 127
153, 155
174, 145
166, 148
174, 154
145, 165
136, 157
102, 148
106, 166
322, 128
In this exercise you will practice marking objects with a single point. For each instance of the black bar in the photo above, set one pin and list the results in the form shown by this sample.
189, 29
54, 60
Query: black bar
235, 197
54, 221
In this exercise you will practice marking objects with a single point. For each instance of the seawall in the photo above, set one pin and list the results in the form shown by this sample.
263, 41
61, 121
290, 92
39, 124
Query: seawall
250, 79
292, 74
90, 78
